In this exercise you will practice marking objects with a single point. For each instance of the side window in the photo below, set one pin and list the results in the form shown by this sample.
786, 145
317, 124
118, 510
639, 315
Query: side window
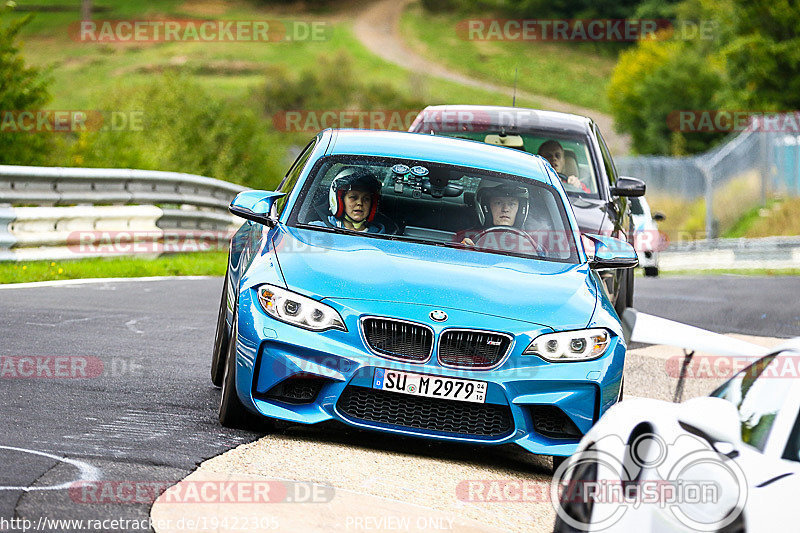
608, 163
291, 177
758, 392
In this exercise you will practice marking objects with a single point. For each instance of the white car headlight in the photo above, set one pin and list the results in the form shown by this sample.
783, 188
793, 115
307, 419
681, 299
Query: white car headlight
298, 310
579, 345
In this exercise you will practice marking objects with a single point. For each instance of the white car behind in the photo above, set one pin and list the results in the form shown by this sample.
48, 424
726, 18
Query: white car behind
729, 462
648, 240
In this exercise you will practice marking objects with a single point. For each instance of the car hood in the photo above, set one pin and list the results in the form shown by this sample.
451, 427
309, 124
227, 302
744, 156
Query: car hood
323, 264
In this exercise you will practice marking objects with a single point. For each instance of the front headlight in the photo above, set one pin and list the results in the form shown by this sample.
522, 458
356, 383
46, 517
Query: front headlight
298, 310
579, 345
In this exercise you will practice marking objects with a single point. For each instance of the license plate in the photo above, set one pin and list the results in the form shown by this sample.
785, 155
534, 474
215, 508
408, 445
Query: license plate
465, 390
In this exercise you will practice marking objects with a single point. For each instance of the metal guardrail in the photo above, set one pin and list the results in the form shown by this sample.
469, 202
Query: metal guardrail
45, 212
737, 254
69, 186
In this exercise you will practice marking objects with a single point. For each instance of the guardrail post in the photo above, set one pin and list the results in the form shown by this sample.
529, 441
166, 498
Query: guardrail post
709, 181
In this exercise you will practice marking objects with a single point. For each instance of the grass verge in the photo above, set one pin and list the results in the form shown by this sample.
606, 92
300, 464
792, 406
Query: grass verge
190, 264
84, 72
573, 73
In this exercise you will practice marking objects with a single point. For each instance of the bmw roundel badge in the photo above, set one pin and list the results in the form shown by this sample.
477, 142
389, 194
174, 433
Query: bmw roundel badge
438, 315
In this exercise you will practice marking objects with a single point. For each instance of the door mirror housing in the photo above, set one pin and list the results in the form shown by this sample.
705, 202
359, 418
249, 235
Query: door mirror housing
711, 418
612, 253
659, 217
258, 206
630, 187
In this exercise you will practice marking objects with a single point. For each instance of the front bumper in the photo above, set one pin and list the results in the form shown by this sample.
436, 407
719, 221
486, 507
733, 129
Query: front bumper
340, 363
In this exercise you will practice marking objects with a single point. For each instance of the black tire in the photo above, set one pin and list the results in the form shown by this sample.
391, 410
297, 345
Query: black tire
629, 293
651, 272
232, 413
558, 460
578, 510
621, 303
221, 339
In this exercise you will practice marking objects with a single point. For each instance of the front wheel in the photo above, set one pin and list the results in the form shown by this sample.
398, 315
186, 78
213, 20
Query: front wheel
232, 413
622, 301
221, 339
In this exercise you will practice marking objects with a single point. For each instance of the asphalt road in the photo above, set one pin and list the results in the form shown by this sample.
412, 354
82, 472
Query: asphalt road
148, 413
763, 306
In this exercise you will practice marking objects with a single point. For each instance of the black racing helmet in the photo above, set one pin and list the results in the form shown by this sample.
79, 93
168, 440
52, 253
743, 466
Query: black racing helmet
489, 189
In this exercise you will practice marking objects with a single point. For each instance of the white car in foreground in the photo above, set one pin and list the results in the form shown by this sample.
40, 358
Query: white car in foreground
729, 462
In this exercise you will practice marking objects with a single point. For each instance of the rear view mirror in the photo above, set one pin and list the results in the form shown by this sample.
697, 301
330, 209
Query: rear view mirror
629, 187
612, 253
509, 141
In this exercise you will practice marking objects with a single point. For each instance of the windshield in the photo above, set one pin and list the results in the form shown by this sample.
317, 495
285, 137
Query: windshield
437, 204
758, 392
569, 156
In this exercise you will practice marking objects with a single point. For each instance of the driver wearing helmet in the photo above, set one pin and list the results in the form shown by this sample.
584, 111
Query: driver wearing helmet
497, 204
353, 200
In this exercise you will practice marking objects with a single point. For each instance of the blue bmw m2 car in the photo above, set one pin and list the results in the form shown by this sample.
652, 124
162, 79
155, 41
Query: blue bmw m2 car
388, 284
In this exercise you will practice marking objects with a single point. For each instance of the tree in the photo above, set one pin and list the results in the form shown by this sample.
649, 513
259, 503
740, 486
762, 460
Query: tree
22, 88
653, 81
762, 55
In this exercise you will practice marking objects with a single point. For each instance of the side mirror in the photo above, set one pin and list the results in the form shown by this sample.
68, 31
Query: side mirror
659, 217
711, 418
628, 187
258, 206
612, 253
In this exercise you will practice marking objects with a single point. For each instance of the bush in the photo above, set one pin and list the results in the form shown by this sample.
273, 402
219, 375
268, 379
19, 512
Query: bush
332, 84
654, 80
184, 129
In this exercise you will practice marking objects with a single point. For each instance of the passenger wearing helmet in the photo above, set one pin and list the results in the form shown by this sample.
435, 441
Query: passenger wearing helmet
353, 200
497, 204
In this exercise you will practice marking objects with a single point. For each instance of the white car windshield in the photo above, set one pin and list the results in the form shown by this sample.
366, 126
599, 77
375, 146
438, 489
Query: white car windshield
437, 204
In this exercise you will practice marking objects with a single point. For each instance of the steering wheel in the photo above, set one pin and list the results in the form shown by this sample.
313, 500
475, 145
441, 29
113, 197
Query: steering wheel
567, 185
481, 238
